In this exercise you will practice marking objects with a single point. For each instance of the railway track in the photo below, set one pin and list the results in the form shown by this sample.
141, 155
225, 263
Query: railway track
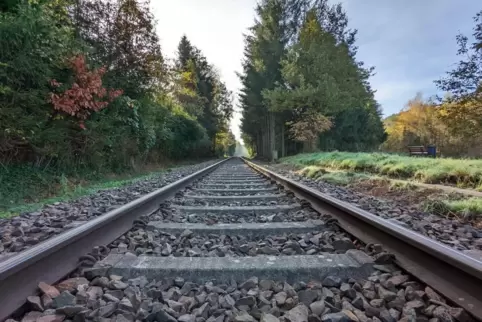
237, 242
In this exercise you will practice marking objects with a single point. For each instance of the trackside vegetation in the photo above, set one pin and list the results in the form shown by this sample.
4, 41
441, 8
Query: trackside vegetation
85, 91
461, 172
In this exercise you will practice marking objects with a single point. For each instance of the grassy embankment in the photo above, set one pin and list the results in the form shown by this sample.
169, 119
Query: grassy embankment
26, 189
345, 168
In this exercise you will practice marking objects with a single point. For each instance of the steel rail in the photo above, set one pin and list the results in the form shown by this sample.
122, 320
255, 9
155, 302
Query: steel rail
455, 275
58, 256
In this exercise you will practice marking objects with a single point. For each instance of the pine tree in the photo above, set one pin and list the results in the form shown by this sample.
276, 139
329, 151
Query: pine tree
265, 48
185, 53
300, 67
201, 90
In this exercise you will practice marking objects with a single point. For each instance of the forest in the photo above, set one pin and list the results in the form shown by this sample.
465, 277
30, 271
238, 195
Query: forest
85, 90
304, 90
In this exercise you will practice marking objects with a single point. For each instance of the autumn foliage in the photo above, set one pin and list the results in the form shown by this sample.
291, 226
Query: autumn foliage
453, 128
86, 95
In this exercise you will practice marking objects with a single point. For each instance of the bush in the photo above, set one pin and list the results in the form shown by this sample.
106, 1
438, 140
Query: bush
33, 48
58, 120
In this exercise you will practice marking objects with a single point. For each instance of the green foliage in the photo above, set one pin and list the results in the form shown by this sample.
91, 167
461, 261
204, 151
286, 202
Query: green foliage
20, 183
225, 143
465, 81
165, 113
200, 85
355, 129
122, 37
25, 189
32, 52
300, 72
464, 173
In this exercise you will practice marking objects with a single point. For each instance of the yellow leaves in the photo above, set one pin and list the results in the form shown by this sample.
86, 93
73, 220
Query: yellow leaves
453, 127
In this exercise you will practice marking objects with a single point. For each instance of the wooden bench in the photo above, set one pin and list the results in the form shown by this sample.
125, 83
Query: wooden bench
417, 150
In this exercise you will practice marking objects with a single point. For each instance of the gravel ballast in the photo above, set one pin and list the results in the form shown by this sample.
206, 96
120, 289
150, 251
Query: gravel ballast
189, 244
28, 229
387, 295
92, 293
452, 232
168, 214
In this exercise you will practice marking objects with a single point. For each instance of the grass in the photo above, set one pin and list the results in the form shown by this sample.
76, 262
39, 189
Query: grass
467, 209
402, 186
22, 194
460, 172
70, 191
335, 177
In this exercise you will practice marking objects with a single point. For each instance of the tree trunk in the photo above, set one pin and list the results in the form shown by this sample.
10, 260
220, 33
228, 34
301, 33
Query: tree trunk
282, 140
309, 146
213, 145
272, 135
266, 153
257, 145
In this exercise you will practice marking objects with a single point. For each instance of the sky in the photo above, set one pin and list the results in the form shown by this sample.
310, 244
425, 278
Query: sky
410, 43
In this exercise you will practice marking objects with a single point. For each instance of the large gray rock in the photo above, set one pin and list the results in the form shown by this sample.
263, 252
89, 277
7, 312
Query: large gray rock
317, 307
244, 317
332, 281
297, 314
64, 299
307, 296
266, 317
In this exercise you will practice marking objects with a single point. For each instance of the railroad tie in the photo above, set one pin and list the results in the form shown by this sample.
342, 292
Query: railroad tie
248, 208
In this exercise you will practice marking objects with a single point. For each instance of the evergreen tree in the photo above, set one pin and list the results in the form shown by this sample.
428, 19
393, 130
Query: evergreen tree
300, 66
265, 48
185, 52
202, 91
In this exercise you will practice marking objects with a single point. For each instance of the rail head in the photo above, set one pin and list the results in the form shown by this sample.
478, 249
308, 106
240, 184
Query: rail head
414, 252
21, 273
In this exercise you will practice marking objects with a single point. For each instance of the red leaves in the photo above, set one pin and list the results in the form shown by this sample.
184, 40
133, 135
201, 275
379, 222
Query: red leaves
86, 94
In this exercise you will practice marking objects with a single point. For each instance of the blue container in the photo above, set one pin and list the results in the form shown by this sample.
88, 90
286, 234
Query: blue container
432, 150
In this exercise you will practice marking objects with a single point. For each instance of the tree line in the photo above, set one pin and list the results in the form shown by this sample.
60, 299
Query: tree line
84, 85
454, 122
302, 87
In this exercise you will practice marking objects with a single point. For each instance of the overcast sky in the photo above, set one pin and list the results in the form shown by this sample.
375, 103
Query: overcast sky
410, 42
